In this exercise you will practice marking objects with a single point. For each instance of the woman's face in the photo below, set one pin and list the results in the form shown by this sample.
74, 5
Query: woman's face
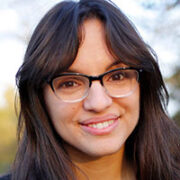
72, 120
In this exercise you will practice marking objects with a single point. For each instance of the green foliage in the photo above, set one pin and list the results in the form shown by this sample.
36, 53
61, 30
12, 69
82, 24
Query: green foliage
177, 118
175, 79
8, 123
170, 29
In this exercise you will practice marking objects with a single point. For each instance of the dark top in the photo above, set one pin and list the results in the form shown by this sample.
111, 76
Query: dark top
5, 177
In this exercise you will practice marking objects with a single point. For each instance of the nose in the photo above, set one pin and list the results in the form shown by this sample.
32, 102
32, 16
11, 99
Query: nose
97, 99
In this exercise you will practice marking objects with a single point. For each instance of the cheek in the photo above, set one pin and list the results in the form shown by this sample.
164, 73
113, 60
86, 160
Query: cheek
61, 113
131, 106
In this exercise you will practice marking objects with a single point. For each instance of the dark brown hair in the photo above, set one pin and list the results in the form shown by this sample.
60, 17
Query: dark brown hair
154, 146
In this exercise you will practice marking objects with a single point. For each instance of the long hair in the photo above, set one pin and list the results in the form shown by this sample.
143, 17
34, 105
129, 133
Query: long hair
153, 147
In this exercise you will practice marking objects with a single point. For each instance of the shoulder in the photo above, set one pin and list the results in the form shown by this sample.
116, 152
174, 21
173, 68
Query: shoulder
5, 177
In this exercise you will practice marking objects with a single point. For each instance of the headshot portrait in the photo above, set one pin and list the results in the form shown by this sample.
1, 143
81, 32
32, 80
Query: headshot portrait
93, 102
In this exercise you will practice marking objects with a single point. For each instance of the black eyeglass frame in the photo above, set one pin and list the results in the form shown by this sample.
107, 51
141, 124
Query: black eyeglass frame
93, 78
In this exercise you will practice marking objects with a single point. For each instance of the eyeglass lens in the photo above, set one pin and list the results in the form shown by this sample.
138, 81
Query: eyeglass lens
119, 83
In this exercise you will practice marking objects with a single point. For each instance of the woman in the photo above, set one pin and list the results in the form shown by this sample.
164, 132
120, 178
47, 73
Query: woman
93, 100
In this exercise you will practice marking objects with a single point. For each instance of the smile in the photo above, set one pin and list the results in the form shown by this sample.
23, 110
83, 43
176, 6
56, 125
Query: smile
101, 125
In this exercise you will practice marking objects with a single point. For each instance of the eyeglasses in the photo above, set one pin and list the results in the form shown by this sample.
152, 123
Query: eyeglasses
74, 87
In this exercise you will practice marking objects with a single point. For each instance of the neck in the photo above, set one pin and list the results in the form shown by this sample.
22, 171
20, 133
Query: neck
107, 167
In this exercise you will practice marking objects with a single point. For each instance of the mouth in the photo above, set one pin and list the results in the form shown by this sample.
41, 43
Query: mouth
100, 126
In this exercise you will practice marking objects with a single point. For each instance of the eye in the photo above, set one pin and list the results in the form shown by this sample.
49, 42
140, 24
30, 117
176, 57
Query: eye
67, 84
116, 76
70, 83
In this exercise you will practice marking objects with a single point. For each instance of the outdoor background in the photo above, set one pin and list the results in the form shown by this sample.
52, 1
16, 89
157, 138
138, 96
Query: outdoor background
158, 21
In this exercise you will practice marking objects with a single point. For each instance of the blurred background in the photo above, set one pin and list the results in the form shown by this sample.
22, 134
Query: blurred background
158, 22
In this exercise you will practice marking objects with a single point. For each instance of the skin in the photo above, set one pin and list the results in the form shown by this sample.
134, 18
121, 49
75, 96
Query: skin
94, 154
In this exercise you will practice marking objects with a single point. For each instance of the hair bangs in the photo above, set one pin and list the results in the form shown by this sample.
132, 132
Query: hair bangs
53, 46
123, 40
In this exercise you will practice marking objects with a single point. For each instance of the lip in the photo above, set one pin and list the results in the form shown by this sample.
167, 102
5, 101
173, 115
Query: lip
103, 131
99, 119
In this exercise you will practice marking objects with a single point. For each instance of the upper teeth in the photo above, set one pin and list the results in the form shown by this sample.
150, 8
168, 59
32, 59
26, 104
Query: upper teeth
101, 125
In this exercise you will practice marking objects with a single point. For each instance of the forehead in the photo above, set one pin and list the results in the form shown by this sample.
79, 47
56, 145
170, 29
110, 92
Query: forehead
93, 53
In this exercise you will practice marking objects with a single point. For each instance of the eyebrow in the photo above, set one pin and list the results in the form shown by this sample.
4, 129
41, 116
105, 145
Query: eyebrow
114, 64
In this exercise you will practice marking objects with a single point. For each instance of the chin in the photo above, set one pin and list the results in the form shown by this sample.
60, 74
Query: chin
104, 151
